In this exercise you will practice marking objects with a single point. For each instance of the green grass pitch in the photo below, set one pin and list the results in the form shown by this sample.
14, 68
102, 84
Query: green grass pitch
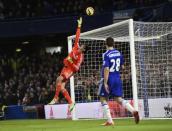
84, 125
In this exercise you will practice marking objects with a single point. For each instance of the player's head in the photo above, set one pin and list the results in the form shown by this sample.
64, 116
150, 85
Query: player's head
109, 42
83, 47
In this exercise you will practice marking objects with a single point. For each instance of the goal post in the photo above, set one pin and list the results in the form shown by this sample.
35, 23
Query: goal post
133, 64
72, 92
147, 51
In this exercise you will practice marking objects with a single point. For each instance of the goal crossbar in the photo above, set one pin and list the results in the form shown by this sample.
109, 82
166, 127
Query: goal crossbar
88, 34
99, 29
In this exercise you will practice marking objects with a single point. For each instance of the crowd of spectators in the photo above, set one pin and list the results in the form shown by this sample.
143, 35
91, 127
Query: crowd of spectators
155, 80
86, 87
40, 8
28, 80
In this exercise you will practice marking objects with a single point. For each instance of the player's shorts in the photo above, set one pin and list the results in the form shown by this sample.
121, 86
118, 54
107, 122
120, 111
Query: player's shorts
115, 88
67, 72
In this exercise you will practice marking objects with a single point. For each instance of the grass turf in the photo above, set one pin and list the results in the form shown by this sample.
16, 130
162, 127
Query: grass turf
84, 125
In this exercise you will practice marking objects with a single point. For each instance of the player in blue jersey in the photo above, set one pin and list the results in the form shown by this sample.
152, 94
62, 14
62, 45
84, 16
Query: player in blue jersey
111, 84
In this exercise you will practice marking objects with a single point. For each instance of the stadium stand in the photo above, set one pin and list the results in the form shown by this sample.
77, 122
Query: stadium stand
30, 79
27, 9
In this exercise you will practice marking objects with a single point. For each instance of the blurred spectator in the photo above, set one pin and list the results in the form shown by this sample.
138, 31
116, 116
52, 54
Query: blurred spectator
32, 82
30, 79
26, 99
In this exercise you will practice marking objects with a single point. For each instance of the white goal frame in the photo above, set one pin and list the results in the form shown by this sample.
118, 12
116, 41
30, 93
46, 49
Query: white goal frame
132, 58
147, 44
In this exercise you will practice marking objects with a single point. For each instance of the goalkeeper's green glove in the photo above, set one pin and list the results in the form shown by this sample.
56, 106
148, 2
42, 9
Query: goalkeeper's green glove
79, 22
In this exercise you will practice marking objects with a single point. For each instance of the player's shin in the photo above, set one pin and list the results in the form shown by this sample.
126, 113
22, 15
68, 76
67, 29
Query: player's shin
56, 97
127, 105
130, 108
69, 100
106, 111
67, 96
58, 89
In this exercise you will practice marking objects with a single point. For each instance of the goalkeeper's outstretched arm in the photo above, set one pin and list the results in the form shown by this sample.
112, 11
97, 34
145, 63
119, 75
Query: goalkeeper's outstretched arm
78, 32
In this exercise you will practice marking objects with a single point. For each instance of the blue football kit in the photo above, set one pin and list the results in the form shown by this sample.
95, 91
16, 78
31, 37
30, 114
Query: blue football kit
113, 60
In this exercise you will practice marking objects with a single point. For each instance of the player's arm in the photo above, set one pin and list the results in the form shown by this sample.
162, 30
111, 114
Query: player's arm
76, 44
76, 66
106, 73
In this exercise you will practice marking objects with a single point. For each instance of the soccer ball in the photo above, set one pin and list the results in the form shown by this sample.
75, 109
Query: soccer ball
90, 11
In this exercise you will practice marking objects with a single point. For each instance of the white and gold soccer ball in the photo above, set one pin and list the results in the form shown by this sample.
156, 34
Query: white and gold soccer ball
90, 11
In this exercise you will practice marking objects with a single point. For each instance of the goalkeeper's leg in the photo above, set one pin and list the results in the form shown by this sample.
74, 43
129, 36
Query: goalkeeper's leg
65, 74
59, 86
68, 98
129, 107
61, 82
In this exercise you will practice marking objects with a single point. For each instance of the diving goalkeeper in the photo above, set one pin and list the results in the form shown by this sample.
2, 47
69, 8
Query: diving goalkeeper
72, 64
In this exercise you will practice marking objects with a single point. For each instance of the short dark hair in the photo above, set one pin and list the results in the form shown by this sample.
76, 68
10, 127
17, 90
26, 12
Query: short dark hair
110, 42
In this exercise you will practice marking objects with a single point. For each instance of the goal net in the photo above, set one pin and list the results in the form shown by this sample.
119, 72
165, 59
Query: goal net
147, 76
